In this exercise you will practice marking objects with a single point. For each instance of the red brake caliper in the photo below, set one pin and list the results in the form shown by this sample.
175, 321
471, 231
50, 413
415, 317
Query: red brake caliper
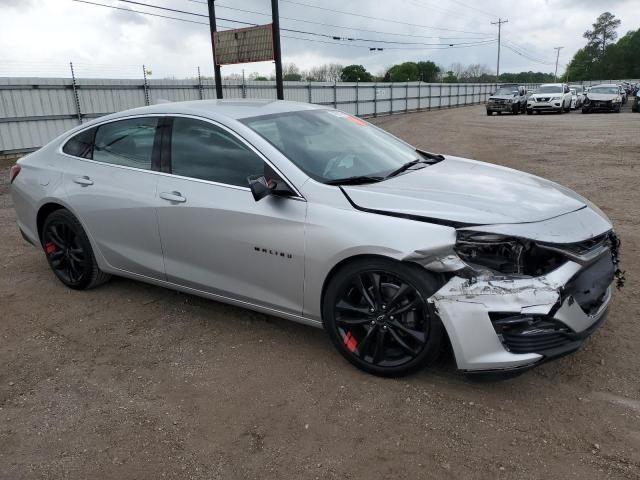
350, 342
50, 248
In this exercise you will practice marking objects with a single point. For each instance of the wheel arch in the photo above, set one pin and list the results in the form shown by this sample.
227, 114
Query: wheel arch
370, 256
43, 212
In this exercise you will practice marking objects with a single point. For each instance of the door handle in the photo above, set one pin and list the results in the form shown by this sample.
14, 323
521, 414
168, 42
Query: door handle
84, 181
173, 197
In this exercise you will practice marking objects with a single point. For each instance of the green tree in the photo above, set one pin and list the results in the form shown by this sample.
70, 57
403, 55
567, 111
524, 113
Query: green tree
603, 33
450, 77
428, 71
355, 73
292, 77
403, 72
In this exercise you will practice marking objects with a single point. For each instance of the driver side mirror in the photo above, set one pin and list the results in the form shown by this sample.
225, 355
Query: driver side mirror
267, 184
260, 187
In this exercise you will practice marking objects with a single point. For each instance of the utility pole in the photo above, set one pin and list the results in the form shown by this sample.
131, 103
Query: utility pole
557, 49
499, 23
213, 29
277, 54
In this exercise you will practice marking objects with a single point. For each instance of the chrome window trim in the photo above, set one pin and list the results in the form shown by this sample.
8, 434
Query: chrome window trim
298, 196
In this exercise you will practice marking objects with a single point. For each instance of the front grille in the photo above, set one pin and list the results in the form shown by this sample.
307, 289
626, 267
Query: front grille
531, 333
543, 99
589, 286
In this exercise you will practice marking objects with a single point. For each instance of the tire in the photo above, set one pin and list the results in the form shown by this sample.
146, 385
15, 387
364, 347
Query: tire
358, 312
584, 110
69, 252
529, 112
489, 113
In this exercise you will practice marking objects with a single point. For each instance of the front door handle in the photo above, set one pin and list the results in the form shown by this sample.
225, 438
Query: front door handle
173, 197
84, 181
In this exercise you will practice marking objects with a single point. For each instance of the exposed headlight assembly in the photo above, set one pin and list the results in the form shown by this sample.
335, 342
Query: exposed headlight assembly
498, 253
505, 255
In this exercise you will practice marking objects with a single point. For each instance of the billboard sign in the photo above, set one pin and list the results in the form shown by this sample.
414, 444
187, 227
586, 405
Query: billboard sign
244, 45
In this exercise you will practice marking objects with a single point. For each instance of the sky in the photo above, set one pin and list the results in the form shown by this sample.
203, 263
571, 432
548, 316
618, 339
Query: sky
41, 37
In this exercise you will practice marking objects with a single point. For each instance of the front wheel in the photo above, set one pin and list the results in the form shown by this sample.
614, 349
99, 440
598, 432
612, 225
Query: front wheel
377, 315
69, 251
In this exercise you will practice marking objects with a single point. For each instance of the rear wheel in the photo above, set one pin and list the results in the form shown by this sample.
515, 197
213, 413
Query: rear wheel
377, 315
69, 252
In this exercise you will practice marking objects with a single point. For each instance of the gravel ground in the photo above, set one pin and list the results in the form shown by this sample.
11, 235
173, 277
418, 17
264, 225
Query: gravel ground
133, 381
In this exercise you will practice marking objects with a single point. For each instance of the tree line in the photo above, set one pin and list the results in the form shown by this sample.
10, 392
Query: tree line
604, 56
426, 71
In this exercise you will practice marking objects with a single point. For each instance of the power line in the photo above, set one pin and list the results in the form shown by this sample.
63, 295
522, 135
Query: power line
344, 27
474, 8
379, 18
334, 37
130, 10
523, 53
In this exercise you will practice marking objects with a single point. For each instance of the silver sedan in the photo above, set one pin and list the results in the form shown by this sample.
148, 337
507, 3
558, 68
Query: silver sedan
314, 215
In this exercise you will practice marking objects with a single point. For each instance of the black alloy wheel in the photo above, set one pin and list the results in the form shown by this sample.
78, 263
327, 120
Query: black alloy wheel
378, 316
69, 252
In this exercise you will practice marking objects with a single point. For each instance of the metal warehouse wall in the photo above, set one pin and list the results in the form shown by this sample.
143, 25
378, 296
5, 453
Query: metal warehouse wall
35, 110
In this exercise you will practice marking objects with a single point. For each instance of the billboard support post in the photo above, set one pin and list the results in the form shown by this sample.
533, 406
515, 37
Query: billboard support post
216, 66
277, 54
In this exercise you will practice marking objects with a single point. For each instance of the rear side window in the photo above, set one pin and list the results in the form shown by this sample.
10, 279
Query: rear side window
204, 151
81, 145
126, 142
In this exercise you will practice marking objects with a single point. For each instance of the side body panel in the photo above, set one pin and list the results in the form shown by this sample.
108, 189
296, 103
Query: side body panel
336, 231
118, 211
220, 240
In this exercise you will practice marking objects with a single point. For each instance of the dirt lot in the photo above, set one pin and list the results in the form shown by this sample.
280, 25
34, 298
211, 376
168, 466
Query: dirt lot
133, 381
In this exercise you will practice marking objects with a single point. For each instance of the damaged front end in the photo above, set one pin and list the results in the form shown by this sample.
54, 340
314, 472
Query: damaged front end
511, 303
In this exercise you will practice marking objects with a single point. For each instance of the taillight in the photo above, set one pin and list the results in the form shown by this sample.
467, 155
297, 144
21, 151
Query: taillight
13, 173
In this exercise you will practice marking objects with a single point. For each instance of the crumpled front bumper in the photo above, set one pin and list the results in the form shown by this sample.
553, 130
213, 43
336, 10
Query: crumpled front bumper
464, 306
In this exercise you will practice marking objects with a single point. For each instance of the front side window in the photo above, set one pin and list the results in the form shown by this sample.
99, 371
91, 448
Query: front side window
329, 145
204, 151
81, 145
126, 142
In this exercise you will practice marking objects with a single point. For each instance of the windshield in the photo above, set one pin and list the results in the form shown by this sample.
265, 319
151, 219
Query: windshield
607, 90
506, 91
550, 89
329, 145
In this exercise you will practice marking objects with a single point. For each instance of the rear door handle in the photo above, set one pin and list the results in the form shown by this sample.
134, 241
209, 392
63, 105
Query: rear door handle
173, 197
84, 181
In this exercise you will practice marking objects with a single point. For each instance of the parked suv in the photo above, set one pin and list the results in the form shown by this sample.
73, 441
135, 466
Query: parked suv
508, 98
550, 97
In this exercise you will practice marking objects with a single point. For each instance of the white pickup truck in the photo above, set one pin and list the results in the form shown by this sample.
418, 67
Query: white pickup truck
550, 97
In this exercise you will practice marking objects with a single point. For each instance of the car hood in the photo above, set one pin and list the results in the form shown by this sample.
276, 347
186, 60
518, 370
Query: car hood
601, 96
545, 95
459, 191
502, 97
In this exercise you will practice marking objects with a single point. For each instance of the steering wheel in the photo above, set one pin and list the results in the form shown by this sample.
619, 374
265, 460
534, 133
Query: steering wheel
337, 162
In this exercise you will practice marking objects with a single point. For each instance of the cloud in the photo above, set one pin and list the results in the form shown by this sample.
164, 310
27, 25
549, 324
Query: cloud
17, 4
116, 42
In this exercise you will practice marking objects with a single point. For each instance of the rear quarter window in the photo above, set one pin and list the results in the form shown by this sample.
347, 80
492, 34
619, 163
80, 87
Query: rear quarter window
81, 144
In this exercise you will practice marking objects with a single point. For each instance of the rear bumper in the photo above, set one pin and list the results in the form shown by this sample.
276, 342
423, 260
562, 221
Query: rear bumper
553, 323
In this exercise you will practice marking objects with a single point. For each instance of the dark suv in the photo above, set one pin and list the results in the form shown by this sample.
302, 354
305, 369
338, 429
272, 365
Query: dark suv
509, 98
